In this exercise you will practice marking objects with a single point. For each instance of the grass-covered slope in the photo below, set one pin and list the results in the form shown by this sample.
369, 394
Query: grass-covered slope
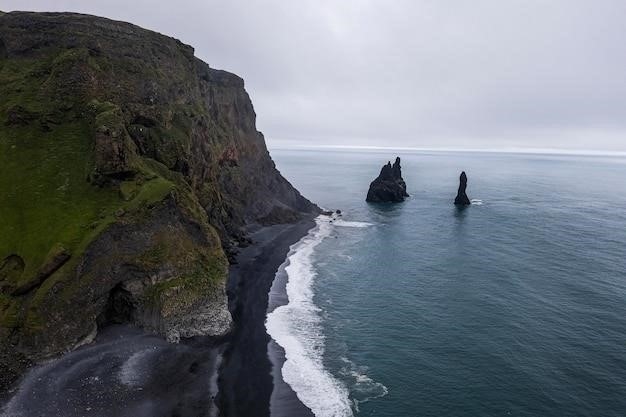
70, 172
126, 165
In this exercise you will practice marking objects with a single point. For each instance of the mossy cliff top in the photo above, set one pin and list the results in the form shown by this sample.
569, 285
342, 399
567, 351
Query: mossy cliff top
127, 166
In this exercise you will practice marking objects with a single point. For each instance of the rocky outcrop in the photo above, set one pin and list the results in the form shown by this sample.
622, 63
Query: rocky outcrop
55, 260
461, 197
130, 169
389, 186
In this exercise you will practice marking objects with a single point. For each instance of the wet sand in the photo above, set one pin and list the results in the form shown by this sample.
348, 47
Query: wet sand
246, 381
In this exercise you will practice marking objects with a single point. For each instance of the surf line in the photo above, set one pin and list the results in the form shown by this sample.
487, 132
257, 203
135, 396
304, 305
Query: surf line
297, 328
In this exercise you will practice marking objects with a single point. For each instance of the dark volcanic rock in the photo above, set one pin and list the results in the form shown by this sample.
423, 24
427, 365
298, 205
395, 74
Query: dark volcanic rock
461, 198
3, 49
19, 116
389, 186
149, 166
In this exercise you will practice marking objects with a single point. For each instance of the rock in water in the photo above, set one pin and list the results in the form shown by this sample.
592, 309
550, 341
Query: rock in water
389, 186
461, 198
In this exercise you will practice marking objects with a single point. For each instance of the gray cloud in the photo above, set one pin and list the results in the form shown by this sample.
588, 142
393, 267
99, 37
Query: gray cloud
444, 73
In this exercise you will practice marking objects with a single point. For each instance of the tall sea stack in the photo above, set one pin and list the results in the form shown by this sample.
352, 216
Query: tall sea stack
461, 197
389, 186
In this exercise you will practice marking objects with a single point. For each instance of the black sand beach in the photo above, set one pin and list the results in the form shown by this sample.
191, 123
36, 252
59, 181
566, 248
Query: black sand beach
245, 379
127, 372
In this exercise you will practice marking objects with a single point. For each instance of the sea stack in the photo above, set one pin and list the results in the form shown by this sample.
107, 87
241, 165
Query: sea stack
461, 197
389, 186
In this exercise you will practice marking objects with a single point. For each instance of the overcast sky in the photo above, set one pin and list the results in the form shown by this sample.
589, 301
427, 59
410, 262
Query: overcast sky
414, 73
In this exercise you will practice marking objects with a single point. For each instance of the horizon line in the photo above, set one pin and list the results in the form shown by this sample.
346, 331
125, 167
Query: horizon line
534, 151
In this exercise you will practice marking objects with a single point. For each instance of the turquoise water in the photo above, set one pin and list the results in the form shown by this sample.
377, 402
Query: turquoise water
515, 306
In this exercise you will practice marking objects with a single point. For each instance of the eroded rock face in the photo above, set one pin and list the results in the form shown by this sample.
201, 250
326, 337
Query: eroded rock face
150, 164
19, 116
461, 197
389, 186
3, 49
55, 259
11, 270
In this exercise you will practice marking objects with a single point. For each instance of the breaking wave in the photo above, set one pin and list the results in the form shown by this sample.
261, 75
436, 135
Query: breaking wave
344, 223
296, 327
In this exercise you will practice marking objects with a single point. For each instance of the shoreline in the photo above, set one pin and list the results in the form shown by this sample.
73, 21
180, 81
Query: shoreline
134, 373
246, 378
283, 401
294, 323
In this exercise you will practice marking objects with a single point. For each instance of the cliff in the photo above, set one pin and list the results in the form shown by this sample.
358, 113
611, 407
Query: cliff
389, 185
129, 170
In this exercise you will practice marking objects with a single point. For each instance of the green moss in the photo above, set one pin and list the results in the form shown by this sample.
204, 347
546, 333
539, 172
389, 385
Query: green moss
151, 192
69, 58
100, 107
108, 120
185, 291
129, 189
47, 200
33, 321
154, 256
9, 309
20, 83
167, 146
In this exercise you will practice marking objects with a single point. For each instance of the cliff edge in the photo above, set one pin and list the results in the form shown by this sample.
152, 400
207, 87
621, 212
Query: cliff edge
130, 169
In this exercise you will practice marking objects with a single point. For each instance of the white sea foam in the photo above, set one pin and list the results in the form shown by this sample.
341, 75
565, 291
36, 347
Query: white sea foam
363, 387
476, 202
344, 223
297, 328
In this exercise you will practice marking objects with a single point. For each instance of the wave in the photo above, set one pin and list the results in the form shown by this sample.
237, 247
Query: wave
476, 202
344, 223
362, 387
296, 327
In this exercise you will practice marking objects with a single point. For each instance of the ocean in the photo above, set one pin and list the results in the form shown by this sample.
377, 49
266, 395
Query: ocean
515, 306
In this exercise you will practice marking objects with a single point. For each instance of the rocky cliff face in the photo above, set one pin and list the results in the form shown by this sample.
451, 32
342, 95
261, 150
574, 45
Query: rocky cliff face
130, 169
389, 185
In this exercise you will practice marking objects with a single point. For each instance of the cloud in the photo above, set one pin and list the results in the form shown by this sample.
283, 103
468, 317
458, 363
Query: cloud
423, 73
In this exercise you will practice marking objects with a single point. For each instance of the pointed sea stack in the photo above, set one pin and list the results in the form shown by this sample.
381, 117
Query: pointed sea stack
461, 198
389, 186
